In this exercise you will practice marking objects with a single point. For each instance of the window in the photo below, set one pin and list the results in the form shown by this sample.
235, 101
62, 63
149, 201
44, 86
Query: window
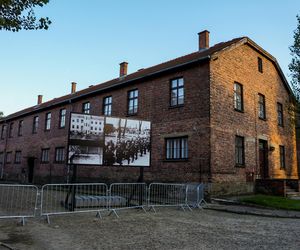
11, 130
62, 118
133, 96
20, 129
18, 157
45, 155
280, 114
1, 158
35, 124
177, 92
48, 122
238, 97
107, 106
282, 156
8, 157
86, 108
261, 106
3, 132
60, 155
239, 151
259, 64
177, 148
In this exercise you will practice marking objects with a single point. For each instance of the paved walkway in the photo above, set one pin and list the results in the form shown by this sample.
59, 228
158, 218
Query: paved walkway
240, 209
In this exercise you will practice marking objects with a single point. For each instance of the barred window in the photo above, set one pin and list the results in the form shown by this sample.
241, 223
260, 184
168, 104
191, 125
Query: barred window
8, 157
18, 155
133, 96
35, 125
60, 155
280, 114
239, 151
62, 118
238, 97
259, 64
45, 155
20, 130
11, 129
177, 92
48, 121
3, 132
282, 156
177, 148
261, 106
107, 105
86, 108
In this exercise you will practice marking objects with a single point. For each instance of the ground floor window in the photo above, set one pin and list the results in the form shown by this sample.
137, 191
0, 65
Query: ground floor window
239, 151
60, 155
18, 157
282, 156
8, 157
45, 155
177, 148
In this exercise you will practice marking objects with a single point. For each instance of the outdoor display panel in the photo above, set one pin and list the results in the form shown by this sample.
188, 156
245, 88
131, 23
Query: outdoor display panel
108, 141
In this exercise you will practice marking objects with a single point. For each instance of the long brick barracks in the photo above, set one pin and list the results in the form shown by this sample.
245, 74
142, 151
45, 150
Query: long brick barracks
220, 115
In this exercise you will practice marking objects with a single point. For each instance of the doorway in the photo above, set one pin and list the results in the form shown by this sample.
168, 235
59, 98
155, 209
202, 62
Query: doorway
263, 159
30, 163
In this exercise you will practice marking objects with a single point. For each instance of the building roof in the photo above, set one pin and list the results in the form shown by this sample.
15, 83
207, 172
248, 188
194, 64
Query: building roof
147, 72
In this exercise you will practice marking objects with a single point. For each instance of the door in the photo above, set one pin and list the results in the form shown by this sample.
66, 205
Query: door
263, 159
30, 162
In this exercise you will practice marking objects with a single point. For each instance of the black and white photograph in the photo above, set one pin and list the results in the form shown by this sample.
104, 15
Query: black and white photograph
86, 139
127, 142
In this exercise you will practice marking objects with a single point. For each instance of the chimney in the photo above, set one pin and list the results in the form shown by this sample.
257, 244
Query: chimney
123, 68
40, 99
203, 39
73, 89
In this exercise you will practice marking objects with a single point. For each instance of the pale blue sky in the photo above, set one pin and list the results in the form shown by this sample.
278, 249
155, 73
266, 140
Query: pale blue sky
88, 39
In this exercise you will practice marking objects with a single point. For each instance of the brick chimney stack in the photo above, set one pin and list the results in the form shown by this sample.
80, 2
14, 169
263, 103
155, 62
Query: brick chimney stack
123, 68
203, 39
73, 89
40, 99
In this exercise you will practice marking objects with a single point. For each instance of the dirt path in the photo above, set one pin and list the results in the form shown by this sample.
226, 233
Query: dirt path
168, 229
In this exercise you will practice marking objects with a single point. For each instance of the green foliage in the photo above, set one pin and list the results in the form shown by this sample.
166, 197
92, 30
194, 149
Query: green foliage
294, 66
272, 201
16, 15
1, 114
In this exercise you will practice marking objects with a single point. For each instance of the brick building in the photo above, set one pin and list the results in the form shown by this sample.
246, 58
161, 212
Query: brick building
226, 107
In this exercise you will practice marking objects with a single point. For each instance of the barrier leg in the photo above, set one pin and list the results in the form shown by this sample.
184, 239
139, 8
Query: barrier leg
98, 215
48, 219
23, 221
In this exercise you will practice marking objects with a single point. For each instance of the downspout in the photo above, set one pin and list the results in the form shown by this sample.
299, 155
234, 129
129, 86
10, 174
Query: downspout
5, 149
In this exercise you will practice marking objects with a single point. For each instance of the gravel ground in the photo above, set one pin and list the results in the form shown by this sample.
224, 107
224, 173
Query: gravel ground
168, 229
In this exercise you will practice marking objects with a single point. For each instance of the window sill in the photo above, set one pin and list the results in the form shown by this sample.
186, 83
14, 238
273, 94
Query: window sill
176, 106
45, 162
239, 111
263, 119
135, 114
176, 160
240, 165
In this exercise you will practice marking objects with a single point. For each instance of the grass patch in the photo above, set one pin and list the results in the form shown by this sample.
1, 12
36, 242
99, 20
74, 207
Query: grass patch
272, 202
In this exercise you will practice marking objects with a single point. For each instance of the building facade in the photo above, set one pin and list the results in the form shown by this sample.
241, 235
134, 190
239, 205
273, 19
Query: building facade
222, 115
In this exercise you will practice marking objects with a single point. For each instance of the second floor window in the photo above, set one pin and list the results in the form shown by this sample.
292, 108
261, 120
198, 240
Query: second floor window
177, 92
45, 155
1, 158
20, 130
280, 114
133, 96
259, 64
282, 156
18, 157
107, 106
62, 118
238, 97
35, 124
11, 129
86, 108
261, 106
60, 155
48, 121
177, 148
3, 132
239, 151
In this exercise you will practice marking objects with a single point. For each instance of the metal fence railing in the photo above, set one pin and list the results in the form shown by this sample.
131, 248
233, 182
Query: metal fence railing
167, 195
73, 198
18, 201
126, 196
195, 195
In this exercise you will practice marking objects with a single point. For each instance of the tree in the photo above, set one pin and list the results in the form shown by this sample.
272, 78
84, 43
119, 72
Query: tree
1, 114
294, 66
16, 15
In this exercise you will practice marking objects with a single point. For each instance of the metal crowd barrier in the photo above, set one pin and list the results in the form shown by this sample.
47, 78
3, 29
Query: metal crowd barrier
195, 195
73, 198
167, 195
18, 201
126, 196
